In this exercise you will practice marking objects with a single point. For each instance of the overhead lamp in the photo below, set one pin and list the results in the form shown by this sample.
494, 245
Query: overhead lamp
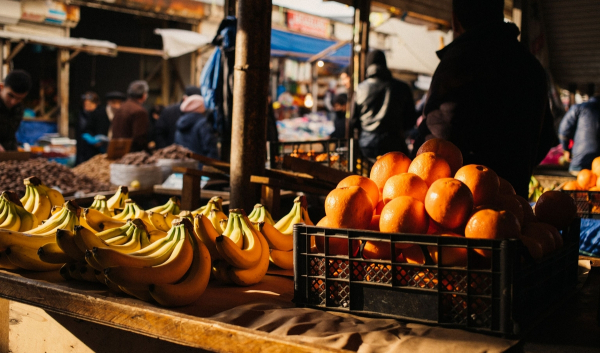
320, 63
308, 101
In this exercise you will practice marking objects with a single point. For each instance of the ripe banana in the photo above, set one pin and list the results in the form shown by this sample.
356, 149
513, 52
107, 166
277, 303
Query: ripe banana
276, 239
3, 210
286, 224
67, 218
193, 284
42, 205
112, 286
118, 199
65, 239
248, 277
74, 271
12, 221
100, 205
114, 232
110, 257
64, 272
26, 200
159, 221
219, 271
205, 231
283, 259
260, 214
55, 197
172, 207
5, 263
170, 271
86, 240
155, 235
27, 258
53, 254
140, 293
55, 209
215, 203
232, 232
87, 273
216, 217
98, 221
28, 220
249, 255
9, 238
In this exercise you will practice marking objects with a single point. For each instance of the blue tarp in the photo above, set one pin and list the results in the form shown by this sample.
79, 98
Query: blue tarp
589, 238
303, 47
30, 131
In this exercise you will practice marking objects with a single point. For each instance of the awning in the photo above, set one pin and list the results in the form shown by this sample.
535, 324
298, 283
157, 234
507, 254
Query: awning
88, 45
177, 42
302, 48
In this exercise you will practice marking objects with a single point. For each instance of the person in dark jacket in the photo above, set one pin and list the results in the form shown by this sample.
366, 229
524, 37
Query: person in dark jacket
195, 130
131, 120
164, 129
153, 117
582, 125
92, 136
489, 96
13, 90
339, 116
383, 109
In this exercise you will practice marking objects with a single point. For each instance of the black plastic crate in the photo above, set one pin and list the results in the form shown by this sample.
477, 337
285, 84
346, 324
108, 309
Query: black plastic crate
342, 154
587, 202
504, 293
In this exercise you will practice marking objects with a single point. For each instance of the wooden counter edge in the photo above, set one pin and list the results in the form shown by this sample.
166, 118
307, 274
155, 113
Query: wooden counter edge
148, 320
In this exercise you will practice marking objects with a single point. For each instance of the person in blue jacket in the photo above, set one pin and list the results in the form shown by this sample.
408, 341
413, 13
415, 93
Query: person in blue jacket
195, 130
582, 125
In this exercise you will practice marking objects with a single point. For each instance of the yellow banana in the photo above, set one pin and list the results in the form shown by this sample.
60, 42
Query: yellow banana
26, 198
246, 257
65, 239
67, 218
64, 272
42, 205
156, 234
276, 239
3, 210
114, 232
28, 220
118, 199
205, 231
283, 259
159, 221
87, 240
193, 284
87, 273
260, 214
27, 258
140, 293
127, 213
172, 207
53, 254
215, 216
5, 263
219, 271
170, 271
90, 260
54, 210
12, 221
248, 277
215, 203
232, 232
100, 222
54, 196
100, 205
133, 244
74, 272
306, 218
10, 238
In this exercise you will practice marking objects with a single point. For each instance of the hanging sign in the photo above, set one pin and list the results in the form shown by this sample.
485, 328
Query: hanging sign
313, 25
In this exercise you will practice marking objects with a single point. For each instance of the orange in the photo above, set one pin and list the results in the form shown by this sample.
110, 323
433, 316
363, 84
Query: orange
505, 187
449, 203
541, 234
365, 183
586, 179
572, 185
388, 165
349, 207
491, 224
533, 246
481, 180
404, 214
446, 150
555, 208
511, 204
558, 240
376, 250
595, 188
377, 210
414, 255
405, 184
596, 166
325, 223
374, 223
430, 167
451, 256
337, 246
528, 215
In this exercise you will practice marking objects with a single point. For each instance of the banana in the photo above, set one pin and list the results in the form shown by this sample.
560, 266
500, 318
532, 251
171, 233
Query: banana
67, 218
215, 203
172, 207
215, 216
28, 220
219, 271
87, 273
205, 231
53, 254
114, 232
99, 276
248, 277
232, 232
100, 205
12, 221
98, 221
90, 260
156, 234
111, 286
283, 259
140, 293
276, 239
133, 244
65, 239
159, 221
25, 198
193, 284
286, 224
118, 199
54, 210
64, 272
5, 263
170, 271
4, 210
9, 238
127, 213
74, 271
260, 214
42, 205
54, 196
27, 258
246, 257
89, 239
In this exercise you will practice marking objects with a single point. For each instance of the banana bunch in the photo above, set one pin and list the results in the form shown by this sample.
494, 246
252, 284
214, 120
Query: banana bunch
39, 199
21, 249
117, 201
173, 271
131, 211
97, 221
243, 251
215, 203
12, 214
162, 221
260, 214
171, 207
101, 205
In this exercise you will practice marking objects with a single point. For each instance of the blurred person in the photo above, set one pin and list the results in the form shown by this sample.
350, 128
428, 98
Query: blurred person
383, 109
272, 133
195, 129
346, 81
489, 95
114, 99
582, 125
92, 128
13, 90
131, 120
154, 115
339, 116
166, 124
329, 95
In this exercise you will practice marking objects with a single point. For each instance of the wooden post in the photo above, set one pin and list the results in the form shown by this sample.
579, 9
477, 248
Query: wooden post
166, 82
63, 91
190, 199
271, 199
4, 324
361, 38
250, 90
5, 52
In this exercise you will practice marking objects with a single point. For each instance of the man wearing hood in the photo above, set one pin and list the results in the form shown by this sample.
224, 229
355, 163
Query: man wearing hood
383, 109
194, 129
489, 96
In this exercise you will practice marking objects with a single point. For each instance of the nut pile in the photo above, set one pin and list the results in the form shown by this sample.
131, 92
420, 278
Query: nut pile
136, 158
52, 174
171, 152
97, 167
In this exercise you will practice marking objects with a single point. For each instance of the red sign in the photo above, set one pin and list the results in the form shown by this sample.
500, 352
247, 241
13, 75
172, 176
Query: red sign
301, 22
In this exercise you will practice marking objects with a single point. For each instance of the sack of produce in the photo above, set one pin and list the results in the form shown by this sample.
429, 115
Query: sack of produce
167, 165
146, 175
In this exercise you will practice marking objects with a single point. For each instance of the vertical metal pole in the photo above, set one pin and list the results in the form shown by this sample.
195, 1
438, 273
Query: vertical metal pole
362, 10
63, 91
250, 90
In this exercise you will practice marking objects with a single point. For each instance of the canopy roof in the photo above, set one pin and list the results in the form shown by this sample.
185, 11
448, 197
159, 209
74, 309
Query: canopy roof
302, 47
89, 45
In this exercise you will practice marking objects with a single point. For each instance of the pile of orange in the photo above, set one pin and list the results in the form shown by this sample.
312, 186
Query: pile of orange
587, 179
435, 194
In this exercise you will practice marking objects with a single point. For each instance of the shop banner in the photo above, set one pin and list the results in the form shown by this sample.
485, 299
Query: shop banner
313, 25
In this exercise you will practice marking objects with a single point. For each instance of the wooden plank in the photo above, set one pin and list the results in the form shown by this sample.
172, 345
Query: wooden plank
201, 173
14, 156
318, 171
147, 319
297, 178
190, 193
63, 91
283, 184
224, 166
4, 324
271, 199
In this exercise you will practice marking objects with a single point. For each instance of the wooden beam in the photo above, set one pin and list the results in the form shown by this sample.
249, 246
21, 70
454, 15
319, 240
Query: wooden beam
4, 324
15, 51
318, 171
327, 50
165, 82
141, 51
72, 56
215, 163
63, 91
154, 71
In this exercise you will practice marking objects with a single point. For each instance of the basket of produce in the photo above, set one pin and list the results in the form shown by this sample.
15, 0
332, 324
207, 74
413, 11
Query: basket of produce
173, 156
137, 166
